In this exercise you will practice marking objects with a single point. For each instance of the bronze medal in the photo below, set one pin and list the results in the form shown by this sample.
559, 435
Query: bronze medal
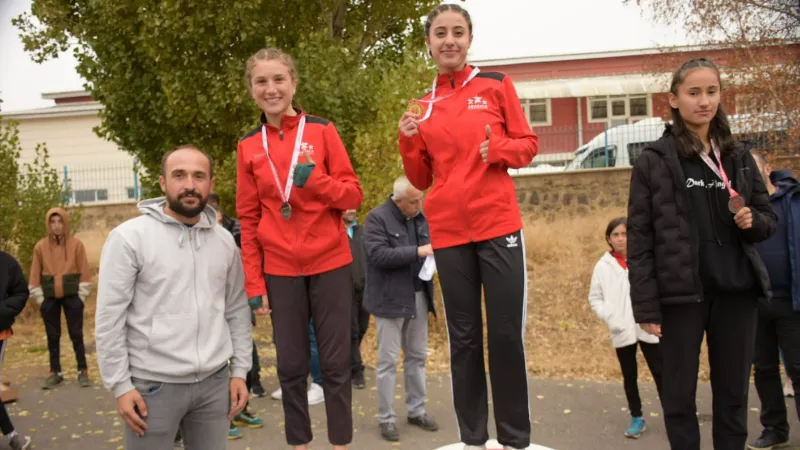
735, 204
414, 107
286, 211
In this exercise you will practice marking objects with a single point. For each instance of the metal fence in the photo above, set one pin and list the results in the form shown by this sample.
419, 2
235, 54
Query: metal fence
598, 145
116, 182
119, 182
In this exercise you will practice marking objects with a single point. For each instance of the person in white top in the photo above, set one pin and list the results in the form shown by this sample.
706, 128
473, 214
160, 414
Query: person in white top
610, 298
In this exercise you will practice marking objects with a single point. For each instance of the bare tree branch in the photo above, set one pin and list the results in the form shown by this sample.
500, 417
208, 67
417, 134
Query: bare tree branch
786, 12
761, 45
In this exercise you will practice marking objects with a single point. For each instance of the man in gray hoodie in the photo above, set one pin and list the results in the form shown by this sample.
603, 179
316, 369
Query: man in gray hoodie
172, 313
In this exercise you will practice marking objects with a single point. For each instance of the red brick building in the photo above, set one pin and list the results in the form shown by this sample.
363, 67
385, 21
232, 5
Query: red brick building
570, 99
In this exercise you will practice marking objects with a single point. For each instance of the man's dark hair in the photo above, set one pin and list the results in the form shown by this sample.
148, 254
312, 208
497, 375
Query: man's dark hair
185, 147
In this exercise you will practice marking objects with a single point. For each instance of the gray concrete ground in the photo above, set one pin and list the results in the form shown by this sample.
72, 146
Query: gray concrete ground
567, 416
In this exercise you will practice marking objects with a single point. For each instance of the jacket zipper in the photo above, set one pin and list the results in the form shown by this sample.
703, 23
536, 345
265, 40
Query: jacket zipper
297, 224
296, 247
462, 204
197, 303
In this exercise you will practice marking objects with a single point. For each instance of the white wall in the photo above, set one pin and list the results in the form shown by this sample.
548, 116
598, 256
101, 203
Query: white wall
92, 163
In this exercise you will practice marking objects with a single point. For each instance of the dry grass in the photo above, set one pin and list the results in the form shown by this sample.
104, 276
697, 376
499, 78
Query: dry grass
564, 339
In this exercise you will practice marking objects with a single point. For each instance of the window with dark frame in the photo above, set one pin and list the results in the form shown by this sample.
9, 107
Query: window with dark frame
536, 110
618, 109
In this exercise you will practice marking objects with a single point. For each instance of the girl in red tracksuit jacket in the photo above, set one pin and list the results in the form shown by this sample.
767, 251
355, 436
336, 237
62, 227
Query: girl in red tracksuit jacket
463, 137
294, 180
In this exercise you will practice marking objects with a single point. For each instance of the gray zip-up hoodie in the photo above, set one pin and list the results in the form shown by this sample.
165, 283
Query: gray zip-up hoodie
171, 305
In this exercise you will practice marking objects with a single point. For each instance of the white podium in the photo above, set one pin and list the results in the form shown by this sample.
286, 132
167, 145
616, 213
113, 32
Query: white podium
491, 445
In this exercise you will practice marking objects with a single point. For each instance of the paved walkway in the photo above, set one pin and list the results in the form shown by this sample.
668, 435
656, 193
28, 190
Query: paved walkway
567, 416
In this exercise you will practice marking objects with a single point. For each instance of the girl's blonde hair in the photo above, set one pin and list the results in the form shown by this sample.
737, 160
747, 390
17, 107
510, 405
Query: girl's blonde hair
269, 54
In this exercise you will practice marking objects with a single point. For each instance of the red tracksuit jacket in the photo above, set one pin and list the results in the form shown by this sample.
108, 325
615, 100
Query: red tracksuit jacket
471, 200
314, 239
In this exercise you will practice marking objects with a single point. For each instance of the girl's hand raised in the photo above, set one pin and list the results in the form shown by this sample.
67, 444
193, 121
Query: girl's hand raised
409, 124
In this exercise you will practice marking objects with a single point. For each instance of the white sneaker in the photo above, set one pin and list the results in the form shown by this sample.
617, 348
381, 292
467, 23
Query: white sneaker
277, 395
315, 394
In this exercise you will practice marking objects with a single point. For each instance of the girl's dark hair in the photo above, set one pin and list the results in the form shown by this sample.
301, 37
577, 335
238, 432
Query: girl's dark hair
719, 131
444, 8
613, 225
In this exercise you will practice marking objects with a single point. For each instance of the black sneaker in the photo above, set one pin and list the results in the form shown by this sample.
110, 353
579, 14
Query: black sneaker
52, 381
425, 422
20, 442
389, 432
768, 441
83, 379
358, 380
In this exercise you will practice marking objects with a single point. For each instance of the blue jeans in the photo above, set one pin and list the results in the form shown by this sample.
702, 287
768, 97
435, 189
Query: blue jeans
316, 370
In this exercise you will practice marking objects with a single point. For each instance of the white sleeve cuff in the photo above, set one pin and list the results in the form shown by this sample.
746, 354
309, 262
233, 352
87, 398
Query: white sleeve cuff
123, 388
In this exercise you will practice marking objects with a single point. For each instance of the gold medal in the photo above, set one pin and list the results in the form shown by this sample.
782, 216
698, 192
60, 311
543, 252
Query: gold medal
414, 107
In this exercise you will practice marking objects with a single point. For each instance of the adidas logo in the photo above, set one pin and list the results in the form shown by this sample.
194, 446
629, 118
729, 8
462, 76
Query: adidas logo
477, 103
512, 241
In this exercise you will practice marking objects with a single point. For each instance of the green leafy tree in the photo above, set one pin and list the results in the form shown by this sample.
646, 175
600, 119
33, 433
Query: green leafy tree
171, 71
376, 145
29, 190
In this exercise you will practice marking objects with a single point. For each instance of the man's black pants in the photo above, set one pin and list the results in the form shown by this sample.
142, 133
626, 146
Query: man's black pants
778, 326
5, 421
51, 314
359, 325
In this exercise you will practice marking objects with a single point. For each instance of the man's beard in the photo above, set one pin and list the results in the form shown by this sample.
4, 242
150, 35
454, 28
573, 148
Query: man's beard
190, 213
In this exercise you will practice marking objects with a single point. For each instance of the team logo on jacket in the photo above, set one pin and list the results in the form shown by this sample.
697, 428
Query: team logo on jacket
512, 241
477, 103
305, 146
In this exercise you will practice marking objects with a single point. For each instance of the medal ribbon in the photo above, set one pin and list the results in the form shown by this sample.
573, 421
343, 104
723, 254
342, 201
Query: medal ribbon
718, 170
433, 99
285, 193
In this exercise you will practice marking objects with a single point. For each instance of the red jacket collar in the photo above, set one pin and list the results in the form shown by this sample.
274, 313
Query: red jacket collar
458, 77
620, 259
287, 122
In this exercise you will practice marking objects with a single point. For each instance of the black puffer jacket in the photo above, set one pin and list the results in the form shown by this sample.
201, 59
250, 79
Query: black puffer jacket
13, 290
663, 248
